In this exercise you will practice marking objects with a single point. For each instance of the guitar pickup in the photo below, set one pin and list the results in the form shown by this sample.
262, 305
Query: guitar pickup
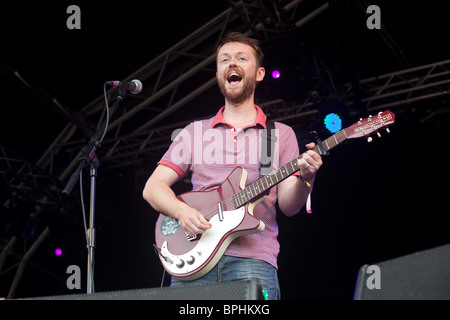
220, 209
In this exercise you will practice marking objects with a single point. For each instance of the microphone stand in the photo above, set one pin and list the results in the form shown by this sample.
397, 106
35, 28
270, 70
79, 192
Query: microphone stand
90, 157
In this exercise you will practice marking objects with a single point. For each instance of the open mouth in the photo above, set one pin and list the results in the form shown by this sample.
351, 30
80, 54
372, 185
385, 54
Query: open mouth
234, 78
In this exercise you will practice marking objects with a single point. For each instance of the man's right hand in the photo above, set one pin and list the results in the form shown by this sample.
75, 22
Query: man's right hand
192, 221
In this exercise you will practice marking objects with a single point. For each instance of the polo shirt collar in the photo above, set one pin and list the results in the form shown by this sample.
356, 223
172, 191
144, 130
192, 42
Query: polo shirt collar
260, 118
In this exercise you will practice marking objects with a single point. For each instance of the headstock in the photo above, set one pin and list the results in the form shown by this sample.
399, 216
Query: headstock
365, 127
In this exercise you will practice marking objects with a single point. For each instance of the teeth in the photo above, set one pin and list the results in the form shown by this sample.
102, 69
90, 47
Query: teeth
234, 76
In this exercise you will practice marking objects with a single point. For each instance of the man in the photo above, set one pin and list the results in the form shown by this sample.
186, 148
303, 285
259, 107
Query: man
239, 69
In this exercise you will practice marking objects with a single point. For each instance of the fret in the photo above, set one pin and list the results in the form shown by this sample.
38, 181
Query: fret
338, 138
345, 134
292, 165
252, 191
237, 202
334, 140
243, 198
342, 136
265, 180
276, 175
283, 170
257, 187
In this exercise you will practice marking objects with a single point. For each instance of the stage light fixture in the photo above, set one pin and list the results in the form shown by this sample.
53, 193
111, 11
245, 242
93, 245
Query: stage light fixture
333, 122
58, 252
276, 74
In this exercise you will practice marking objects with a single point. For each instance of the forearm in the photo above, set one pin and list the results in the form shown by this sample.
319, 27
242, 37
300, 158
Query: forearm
159, 194
293, 192
162, 198
292, 198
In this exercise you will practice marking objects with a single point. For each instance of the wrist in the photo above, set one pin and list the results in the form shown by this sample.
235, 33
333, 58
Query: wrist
308, 182
309, 187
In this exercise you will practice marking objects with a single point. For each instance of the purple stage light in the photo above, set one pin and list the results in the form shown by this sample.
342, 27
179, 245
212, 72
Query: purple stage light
276, 74
58, 252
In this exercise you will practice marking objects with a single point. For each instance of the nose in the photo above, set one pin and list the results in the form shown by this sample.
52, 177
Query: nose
232, 61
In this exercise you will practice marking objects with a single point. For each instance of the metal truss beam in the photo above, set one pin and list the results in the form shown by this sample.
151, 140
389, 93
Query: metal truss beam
171, 79
25, 182
399, 89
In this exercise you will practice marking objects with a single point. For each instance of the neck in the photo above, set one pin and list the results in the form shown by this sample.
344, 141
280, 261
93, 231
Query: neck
240, 115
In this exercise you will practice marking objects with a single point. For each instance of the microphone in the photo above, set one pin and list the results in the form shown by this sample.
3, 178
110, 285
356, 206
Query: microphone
134, 86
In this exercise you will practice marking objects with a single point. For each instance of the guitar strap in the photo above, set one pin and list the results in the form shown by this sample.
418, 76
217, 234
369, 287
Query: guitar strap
268, 138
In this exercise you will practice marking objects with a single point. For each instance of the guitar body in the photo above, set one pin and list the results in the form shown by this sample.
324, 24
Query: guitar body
188, 259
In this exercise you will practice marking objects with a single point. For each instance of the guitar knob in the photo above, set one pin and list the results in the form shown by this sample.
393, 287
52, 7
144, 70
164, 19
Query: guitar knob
379, 135
190, 260
387, 130
180, 263
369, 139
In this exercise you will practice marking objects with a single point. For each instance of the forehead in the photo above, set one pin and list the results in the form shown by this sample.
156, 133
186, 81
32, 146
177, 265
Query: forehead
232, 48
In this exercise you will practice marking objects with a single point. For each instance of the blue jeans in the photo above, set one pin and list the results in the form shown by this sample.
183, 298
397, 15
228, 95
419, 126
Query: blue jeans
231, 268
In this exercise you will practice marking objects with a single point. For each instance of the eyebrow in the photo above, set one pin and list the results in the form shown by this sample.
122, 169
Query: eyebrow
228, 54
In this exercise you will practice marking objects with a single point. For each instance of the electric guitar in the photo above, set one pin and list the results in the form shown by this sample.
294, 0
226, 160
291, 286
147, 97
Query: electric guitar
229, 208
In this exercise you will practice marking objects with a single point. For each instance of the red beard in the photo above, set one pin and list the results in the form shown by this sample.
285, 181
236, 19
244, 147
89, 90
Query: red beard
237, 95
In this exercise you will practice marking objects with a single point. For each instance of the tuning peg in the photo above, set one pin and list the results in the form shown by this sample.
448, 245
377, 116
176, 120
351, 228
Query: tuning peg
369, 139
379, 135
387, 130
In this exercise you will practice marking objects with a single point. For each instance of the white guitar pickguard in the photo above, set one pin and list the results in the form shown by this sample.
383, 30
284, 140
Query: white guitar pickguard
205, 246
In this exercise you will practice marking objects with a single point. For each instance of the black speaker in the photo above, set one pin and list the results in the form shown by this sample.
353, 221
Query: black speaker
423, 275
237, 290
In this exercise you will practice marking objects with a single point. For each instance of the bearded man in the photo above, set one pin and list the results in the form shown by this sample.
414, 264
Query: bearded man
239, 69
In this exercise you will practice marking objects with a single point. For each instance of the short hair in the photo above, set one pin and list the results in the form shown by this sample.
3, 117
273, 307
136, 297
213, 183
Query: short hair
240, 37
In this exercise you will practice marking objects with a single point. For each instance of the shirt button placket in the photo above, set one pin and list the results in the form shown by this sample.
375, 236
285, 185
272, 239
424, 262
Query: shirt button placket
233, 134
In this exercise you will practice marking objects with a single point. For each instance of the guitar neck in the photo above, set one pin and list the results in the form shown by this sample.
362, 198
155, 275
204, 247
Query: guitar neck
260, 186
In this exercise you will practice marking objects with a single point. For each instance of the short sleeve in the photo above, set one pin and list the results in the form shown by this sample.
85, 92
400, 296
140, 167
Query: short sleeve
179, 155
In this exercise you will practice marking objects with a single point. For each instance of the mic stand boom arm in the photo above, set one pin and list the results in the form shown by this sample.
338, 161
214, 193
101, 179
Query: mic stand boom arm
90, 157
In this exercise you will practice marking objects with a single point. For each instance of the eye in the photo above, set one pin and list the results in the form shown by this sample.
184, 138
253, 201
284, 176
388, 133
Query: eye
224, 60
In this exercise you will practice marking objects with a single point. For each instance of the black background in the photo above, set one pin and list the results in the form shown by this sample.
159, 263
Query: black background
372, 202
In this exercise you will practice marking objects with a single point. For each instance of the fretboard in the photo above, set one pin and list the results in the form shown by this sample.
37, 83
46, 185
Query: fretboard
260, 186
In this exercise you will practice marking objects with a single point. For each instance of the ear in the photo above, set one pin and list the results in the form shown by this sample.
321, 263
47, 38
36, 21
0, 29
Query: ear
260, 73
